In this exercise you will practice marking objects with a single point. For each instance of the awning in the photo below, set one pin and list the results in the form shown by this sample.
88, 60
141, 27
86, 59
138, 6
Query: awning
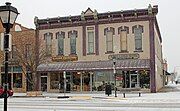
167, 73
95, 65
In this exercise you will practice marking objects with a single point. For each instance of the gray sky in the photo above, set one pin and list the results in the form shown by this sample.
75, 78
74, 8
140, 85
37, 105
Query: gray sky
168, 16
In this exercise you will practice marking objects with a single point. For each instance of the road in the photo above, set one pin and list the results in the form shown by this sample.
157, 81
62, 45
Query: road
162, 101
94, 104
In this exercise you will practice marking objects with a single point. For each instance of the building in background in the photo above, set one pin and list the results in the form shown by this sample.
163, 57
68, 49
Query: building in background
167, 76
177, 74
22, 40
81, 49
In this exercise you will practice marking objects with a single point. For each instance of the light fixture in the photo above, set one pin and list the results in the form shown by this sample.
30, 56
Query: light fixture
8, 15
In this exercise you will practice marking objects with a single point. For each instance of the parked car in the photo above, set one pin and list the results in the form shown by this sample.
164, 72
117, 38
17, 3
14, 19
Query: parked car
9, 92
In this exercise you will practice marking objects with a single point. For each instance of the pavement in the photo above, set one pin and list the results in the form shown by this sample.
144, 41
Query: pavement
171, 87
101, 94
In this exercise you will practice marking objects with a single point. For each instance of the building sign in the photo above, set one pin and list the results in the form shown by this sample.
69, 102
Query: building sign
64, 58
123, 56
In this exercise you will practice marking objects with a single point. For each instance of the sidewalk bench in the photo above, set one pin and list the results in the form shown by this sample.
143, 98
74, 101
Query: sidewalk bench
125, 91
132, 92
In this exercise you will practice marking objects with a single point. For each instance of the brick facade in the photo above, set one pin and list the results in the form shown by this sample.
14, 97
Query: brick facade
21, 36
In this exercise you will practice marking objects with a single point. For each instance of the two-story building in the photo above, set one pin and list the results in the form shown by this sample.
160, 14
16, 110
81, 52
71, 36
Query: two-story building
22, 39
82, 49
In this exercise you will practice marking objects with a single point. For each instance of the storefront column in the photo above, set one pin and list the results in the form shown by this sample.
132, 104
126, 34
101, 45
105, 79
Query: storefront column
130, 80
64, 75
81, 82
124, 84
48, 81
91, 74
152, 54
138, 83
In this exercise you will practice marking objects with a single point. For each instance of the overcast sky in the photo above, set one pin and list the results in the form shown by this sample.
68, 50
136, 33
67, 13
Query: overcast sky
168, 17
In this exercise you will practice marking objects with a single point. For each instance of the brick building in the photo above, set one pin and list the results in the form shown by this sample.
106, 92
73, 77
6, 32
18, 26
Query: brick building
22, 39
81, 49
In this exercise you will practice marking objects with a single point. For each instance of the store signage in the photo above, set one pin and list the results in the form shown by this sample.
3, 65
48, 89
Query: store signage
123, 56
64, 58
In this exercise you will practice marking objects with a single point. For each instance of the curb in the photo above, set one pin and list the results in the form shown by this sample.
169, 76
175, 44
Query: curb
27, 96
59, 97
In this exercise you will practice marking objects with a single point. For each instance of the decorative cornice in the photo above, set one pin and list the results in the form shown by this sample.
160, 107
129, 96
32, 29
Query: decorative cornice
102, 18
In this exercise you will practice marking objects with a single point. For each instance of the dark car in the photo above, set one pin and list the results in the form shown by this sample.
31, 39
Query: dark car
2, 93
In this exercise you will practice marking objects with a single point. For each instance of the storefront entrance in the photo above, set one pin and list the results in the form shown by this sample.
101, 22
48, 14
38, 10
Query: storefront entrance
134, 81
81, 81
69, 81
92, 81
44, 82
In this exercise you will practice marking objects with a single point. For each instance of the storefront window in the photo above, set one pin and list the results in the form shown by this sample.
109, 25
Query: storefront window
17, 80
17, 69
3, 79
54, 81
103, 78
9, 69
144, 79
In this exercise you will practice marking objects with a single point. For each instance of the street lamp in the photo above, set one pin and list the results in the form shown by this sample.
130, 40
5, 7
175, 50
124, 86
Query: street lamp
8, 15
114, 71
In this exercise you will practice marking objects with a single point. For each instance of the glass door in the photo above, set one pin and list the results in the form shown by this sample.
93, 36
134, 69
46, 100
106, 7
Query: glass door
44, 83
134, 81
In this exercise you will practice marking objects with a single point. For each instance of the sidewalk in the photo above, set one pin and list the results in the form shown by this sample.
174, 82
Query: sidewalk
170, 88
71, 94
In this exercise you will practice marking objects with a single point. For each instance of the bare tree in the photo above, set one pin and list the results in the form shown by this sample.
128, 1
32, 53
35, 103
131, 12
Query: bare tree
27, 54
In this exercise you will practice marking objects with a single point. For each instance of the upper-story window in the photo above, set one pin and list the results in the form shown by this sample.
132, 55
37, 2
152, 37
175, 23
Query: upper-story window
109, 32
138, 30
72, 35
123, 31
48, 40
14, 52
90, 33
60, 42
28, 51
17, 28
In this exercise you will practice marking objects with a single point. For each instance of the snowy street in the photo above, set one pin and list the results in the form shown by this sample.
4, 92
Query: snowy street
167, 100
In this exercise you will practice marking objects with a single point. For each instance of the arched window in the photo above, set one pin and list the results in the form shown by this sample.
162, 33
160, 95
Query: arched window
48, 40
90, 33
123, 40
109, 39
123, 31
72, 35
60, 42
18, 28
138, 30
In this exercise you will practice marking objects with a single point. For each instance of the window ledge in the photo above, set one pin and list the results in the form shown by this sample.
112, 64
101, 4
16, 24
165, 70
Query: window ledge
72, 54
124, 52
138, 51
60, 55
109, 52
90, 53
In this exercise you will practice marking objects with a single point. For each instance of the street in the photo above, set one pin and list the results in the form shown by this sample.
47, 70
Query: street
162, 101
53, 104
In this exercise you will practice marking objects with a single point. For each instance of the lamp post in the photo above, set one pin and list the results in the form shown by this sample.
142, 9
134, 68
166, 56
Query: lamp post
114, 71
8, 15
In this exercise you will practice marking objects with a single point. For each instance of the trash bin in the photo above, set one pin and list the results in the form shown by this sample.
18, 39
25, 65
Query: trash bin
108, 89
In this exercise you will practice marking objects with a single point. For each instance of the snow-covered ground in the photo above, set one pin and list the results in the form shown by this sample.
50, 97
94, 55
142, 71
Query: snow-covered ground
167, 100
